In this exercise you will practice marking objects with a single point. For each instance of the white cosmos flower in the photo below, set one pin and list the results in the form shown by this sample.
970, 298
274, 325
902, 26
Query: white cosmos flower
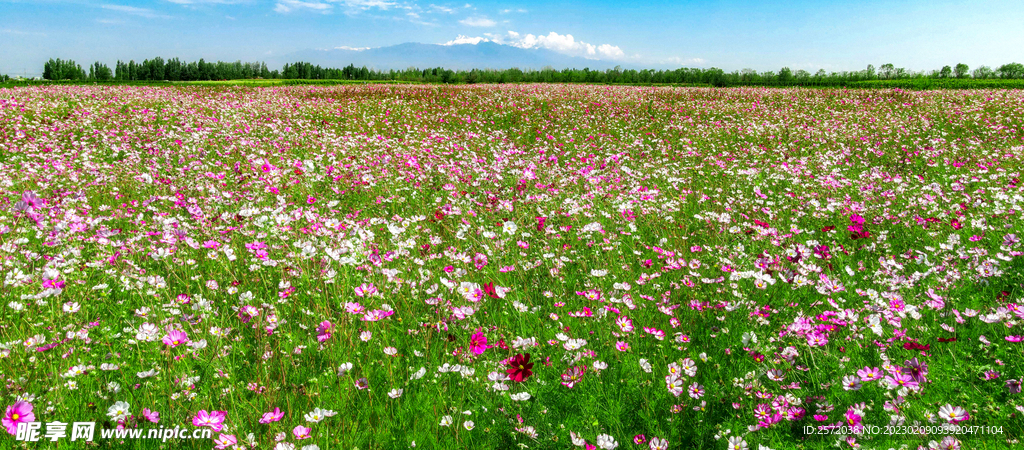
606, 442
520, 396
119, 410
419, 374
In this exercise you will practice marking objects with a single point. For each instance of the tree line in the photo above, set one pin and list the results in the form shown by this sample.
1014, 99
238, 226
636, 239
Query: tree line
157, 69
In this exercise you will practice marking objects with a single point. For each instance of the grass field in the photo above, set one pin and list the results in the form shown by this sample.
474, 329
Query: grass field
370, 266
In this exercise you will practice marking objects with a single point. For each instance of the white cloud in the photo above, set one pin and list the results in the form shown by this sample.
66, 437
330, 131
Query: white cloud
565, 44
201, 2
286, 6
610, 51
357, 49
478, 22
327, 6
441, 9
510, 10
141, 12
461, 40
366, 4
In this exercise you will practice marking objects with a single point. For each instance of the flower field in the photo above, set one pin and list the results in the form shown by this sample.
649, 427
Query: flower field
514, 266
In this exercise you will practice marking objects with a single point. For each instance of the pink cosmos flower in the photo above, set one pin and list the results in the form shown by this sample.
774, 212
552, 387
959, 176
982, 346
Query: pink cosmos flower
247, 313
869, 373
899, 380
323, 331
225, 441
478, 343
301, 432
310, 199
151, 416
175, 338
273, 416
212, 419
53, 284
853, 420
17, 413
366, 290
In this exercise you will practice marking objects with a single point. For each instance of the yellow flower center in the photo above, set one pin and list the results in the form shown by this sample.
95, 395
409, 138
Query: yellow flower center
520, 366
175, 342
15, 416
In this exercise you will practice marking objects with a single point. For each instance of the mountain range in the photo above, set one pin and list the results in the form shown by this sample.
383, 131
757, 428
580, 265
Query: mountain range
484, 55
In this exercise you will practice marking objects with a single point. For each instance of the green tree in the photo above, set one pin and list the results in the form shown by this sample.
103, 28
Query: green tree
1011, 71
960, 71
983, 72
785, 75
887, 71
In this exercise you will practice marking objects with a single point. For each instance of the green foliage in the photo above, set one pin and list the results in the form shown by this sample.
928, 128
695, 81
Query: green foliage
945, 83
157, 69
58, 69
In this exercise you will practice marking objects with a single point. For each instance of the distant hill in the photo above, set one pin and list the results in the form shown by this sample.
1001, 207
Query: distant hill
485, 55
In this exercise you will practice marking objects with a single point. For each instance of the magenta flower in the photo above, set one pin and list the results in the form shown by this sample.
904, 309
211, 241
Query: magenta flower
53, 284
175, 338
853, 420
310, 199
273, 416
17, 413
323, 331
151, 416
478, 343
301, 432
212, 419
247, 313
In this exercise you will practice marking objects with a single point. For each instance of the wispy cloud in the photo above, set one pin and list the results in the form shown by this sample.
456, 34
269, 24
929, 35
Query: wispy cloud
135, 11
677, 61
287, 6
478, 22
443, 9
21, 33
519, 10
208, 2
328, 6
356, 49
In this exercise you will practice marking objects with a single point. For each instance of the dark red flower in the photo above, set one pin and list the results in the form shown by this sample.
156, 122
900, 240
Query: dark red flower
947, 339
520, 367
916, 346
489, 290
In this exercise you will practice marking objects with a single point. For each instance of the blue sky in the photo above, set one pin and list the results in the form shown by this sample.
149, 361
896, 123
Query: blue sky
732, 35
